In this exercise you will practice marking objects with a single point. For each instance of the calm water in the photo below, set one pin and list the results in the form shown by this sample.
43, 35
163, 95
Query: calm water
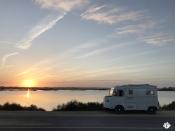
50, 99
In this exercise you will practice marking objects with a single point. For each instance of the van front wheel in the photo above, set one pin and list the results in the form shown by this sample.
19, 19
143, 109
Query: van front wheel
119, 109
152, 110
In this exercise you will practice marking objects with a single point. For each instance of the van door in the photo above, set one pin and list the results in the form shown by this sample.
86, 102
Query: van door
130, 102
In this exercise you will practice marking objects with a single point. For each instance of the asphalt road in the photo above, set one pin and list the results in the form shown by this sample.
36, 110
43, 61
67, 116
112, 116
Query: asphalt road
84, 121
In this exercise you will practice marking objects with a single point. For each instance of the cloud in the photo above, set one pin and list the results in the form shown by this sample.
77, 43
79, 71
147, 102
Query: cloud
38, 30
107, 15
101, 50
63, 57
135, 29
5, 57
94, 52
33, 34
5, 44
61, 5
158, 39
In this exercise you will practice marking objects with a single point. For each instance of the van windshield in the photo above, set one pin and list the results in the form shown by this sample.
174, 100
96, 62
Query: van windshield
111, 91
118, 92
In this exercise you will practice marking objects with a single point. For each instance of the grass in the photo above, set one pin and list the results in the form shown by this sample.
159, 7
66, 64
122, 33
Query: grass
79, 106
18, 107
95, 106
70, 106
168, 107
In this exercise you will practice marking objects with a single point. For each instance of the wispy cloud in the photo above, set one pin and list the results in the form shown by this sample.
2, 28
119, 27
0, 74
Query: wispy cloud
33, 34
108, 15
136, 28
38, 30
94, 52
5, 57
101, 50
158, 39
63, 57
61, 5
5, 44
49, 22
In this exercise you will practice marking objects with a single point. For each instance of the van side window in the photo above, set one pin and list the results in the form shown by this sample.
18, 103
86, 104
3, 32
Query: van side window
149, 92
130, 92
115, 93
120, 93
111, 92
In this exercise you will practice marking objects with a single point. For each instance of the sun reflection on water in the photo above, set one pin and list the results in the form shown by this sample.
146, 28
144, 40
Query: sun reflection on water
28, 93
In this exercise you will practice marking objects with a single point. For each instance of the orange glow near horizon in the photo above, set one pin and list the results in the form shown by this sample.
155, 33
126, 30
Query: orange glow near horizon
28, 93
29, 83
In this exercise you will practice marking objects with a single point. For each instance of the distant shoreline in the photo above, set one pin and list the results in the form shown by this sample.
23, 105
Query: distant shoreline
2, 88
51, 88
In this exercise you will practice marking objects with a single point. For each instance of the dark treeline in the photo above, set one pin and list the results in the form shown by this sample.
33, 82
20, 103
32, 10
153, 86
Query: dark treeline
3, 88
70, 106
170, 106
18, 107
167, 89
95, 106
79, 106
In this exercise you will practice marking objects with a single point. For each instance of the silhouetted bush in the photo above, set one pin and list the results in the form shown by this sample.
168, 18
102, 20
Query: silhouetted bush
79, 106
18, 107
70, 106
95, 106
170, 106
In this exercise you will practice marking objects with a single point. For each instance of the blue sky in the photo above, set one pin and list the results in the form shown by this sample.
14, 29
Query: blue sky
87, 42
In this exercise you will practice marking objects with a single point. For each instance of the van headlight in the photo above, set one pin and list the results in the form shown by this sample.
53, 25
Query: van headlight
107, 99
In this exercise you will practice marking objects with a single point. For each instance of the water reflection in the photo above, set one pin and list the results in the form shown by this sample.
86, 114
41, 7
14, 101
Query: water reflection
28, 93
50, 99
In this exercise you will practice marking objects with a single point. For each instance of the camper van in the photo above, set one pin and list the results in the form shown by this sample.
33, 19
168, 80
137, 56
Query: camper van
132, 97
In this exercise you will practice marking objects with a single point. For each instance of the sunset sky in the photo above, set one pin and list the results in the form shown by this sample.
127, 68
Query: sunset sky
87, 42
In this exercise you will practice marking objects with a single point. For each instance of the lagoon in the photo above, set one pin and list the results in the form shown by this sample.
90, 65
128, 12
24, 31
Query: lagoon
50, 99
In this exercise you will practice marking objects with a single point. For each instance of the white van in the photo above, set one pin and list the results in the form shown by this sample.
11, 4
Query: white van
132, 97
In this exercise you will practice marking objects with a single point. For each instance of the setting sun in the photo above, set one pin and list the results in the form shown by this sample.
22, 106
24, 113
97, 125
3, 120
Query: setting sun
29, 83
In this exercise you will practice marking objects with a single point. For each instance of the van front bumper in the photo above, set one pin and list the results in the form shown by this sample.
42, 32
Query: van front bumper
107, 102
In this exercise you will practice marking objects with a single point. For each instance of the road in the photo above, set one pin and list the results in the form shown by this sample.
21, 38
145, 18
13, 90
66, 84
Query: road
84, 121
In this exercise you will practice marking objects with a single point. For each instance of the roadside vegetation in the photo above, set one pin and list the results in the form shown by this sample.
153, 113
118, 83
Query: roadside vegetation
70, 106
95, 106
168, 107
18, 107
79, 106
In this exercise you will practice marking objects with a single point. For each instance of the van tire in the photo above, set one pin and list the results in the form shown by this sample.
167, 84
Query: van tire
152, 110
119, 109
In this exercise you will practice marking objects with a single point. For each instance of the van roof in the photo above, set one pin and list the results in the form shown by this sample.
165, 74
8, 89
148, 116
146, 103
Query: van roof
137, 86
